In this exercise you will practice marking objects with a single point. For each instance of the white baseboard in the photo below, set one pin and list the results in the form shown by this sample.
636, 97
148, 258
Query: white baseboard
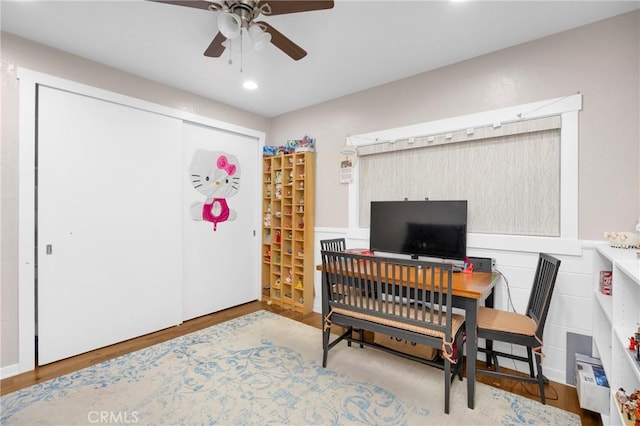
9, 371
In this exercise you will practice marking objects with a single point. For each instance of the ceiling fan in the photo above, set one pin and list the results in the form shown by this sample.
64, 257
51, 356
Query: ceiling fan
235, 15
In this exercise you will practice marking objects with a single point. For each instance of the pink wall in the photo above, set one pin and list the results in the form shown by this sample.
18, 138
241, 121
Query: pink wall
601, 60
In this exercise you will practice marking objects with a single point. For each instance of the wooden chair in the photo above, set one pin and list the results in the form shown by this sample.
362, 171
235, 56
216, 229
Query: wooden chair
338, 244
335, 244
403, 298
521, 329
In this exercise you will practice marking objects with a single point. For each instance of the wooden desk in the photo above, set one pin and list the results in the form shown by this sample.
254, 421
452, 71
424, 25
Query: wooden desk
468, 291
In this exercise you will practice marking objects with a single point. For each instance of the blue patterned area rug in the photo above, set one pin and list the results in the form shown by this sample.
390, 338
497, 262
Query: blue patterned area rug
263, 369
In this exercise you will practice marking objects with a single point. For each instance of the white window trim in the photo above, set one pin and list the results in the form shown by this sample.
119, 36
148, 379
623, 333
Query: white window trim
567, 107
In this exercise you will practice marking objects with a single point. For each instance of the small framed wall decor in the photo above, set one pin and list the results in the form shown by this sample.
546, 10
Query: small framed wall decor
348, 157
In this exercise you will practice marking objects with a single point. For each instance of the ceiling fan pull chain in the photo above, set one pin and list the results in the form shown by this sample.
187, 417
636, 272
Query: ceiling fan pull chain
241, 51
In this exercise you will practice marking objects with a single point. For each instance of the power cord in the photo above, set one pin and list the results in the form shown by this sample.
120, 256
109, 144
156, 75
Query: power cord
506, 282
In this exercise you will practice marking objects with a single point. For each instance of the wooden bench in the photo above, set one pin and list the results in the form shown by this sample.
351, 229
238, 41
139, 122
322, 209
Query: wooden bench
403, 298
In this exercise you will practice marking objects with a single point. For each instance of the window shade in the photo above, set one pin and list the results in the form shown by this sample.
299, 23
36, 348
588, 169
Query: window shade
509, 174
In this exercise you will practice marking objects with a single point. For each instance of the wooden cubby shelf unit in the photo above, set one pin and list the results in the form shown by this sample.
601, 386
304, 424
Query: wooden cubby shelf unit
287, 230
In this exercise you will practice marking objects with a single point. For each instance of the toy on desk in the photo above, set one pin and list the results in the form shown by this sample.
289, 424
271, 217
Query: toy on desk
633, 343
468, 267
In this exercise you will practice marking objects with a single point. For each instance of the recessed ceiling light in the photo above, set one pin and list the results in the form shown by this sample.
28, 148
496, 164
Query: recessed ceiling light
250, 85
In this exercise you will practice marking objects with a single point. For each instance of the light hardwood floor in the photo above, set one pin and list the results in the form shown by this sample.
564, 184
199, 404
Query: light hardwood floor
558, 395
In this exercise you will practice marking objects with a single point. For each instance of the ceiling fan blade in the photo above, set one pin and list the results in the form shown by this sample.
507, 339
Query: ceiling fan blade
280, 41
198, 4
216, 48
280, 7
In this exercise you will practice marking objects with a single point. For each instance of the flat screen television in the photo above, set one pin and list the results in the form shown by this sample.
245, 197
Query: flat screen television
432, 229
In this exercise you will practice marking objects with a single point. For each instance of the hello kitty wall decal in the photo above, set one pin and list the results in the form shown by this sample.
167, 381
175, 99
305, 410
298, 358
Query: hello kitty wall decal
216, 175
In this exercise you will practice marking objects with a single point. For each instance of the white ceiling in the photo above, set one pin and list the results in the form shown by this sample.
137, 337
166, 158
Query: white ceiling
352, 47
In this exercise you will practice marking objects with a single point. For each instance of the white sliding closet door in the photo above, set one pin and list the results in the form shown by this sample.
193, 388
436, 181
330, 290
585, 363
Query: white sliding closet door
220, 253
109, 223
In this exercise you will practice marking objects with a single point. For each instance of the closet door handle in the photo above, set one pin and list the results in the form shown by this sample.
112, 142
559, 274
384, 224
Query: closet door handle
49, 249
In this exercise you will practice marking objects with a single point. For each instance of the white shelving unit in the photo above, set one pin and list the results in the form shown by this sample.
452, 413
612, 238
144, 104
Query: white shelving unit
615, 320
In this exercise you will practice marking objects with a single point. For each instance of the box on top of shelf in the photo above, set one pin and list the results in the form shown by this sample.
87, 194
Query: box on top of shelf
591, 384
306, 144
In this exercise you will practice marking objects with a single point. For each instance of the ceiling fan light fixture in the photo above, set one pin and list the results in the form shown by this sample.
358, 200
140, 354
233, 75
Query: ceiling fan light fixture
259, 37
229, 25
250, 85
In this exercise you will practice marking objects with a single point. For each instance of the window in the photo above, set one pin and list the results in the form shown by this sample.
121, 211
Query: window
517, 167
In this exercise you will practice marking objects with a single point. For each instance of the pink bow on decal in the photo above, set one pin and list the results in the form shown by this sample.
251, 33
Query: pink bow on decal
223, 163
